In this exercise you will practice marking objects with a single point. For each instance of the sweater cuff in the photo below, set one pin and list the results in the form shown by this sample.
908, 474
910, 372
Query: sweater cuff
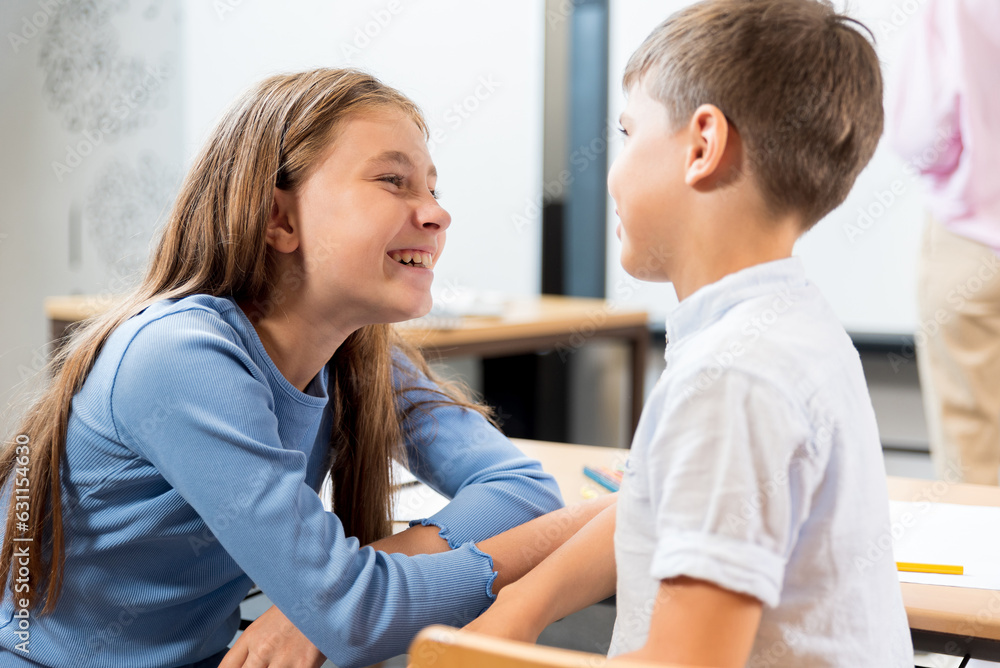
443, 530
489, 583
481, 511
450, 539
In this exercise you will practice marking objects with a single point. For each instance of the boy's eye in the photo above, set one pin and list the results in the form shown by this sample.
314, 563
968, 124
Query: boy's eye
623, 130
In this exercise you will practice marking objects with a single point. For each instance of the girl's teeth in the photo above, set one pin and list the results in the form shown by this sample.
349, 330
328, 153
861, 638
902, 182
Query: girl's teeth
413, 258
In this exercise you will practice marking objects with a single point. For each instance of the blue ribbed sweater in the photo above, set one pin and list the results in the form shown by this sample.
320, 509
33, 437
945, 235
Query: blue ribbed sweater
191, 472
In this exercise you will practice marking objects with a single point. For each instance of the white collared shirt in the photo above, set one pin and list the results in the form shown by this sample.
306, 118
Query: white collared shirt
757, 466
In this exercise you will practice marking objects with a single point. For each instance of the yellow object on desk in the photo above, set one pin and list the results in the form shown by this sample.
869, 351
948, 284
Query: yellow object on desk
942, 569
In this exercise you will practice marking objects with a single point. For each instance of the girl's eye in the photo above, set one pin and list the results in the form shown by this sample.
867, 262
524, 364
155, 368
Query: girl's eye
623, 130
394, 179
399, 182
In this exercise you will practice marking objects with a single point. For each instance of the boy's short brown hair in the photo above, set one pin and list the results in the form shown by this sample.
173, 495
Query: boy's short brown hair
799, 83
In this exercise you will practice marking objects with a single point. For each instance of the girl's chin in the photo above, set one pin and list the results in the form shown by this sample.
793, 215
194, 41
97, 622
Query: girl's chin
413, 313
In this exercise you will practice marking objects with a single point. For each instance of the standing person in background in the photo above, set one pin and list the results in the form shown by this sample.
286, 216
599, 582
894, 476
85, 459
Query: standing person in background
944, 120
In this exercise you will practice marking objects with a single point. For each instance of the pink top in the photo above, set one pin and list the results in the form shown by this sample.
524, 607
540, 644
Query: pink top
943, 114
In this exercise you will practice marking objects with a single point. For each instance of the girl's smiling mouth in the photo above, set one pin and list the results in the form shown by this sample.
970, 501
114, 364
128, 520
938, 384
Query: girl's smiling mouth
413, 258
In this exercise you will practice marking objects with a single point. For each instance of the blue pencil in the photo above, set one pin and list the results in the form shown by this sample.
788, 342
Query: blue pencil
600, 478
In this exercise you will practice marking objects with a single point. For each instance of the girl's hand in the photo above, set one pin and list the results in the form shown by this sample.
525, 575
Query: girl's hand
273, 641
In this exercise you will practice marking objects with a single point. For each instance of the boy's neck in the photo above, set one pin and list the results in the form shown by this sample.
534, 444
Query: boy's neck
725, 250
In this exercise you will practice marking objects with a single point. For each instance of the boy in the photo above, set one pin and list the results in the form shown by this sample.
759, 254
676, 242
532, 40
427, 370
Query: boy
755, 488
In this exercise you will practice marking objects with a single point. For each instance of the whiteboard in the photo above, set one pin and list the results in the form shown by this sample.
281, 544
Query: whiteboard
863, 255
476, 70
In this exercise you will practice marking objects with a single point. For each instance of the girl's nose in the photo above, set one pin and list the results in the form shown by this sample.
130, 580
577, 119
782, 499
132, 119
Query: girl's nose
434, 216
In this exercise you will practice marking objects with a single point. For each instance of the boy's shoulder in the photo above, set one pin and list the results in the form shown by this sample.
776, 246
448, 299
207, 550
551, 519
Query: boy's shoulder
787, 338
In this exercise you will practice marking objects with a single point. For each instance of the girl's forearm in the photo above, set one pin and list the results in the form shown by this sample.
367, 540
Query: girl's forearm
526, 544
518, 550
417, 539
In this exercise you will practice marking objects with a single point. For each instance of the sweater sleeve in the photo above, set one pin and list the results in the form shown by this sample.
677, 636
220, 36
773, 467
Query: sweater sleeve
457, 452
216, 442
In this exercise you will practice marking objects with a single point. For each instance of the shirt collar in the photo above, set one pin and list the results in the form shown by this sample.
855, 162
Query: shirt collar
710, 302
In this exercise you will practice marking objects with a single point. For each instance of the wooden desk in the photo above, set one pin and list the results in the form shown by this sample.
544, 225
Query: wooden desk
566, 461
951, 620
943, 620
527, 325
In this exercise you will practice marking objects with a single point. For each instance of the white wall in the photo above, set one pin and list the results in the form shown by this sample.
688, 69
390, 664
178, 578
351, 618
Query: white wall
90, 133
866, 267
487, 58
87, 230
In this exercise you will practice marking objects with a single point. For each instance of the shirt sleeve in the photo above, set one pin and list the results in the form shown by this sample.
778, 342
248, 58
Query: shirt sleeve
923, 100
732, 470
459, 454
218, 446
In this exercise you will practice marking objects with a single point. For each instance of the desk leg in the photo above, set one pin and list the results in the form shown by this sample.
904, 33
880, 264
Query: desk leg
639, 346
955, 645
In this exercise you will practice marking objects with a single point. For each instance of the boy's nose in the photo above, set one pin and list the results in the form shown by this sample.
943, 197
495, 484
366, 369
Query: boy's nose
611, 183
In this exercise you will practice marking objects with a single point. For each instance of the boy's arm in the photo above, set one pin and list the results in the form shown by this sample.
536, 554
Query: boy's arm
695, 622
579, 573
518, 551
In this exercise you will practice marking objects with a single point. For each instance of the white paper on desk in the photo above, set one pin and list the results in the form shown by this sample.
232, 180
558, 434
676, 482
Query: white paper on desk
401, 475
947, 533
413, 500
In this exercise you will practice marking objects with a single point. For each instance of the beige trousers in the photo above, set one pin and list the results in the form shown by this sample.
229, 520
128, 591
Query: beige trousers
958, 354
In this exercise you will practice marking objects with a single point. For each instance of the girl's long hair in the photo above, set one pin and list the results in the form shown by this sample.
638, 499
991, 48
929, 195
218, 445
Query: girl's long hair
214, 243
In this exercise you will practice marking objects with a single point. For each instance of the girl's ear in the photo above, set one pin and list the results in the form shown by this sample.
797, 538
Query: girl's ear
283, 224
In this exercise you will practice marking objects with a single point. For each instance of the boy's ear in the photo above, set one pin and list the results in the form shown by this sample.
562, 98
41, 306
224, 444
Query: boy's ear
282, 223
706, 161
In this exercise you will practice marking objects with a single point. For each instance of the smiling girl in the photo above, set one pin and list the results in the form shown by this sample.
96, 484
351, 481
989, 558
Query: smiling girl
175, 458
